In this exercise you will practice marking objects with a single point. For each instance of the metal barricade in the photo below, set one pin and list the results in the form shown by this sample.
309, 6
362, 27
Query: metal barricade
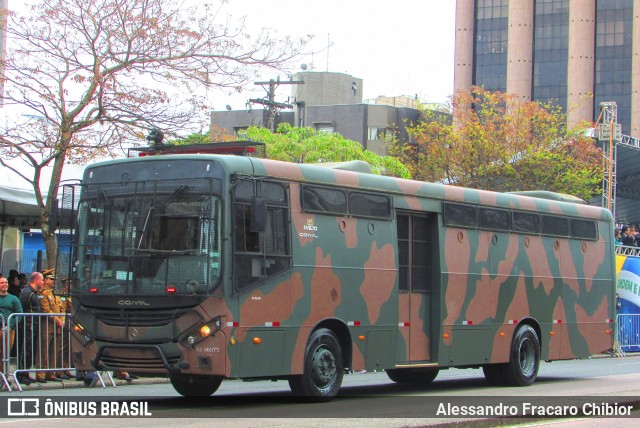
628, 332
627, 250
5, 348
42, 347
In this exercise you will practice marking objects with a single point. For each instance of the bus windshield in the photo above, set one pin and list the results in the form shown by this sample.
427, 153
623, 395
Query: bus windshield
137, 240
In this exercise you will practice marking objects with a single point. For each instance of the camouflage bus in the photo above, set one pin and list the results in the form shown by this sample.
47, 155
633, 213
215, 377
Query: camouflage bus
209, 267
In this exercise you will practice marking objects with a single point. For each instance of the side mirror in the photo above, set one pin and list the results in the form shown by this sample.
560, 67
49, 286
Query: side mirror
258, 214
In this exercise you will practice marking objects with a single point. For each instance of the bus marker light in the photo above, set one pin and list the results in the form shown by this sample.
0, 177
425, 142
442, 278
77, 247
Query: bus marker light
205, 330
512, 322
446, 335
94, 290
233, 340
171, 289
272, 324
257, 340
467, 322
502, 334
361, 337
557, 321
403, 324
353, 323
608, 331
552, 333
233, 323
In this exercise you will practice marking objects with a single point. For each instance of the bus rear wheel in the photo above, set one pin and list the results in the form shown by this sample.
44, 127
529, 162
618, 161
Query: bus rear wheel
412, 376
195, 386
524, 361
323, 368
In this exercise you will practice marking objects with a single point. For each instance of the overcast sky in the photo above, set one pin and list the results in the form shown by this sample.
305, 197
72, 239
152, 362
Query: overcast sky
398, 47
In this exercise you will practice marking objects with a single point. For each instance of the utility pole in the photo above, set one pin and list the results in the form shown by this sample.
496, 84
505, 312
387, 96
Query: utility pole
270, 103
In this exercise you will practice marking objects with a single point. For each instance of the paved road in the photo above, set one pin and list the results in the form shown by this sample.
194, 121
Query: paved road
372, 400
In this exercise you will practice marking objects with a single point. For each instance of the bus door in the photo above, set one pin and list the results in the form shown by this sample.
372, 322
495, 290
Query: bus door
417, 253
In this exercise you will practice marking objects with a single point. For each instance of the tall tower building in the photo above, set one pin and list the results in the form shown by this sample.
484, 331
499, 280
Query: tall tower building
577, 53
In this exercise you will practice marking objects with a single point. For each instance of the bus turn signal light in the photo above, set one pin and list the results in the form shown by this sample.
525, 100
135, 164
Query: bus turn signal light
257, 340
205, 331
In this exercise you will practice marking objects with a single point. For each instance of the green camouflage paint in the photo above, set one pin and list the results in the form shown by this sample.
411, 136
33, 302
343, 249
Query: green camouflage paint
344, 277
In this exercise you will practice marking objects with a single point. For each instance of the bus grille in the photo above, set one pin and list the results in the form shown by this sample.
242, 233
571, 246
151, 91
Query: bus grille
141, 318
132, 363
138, 326
147, 318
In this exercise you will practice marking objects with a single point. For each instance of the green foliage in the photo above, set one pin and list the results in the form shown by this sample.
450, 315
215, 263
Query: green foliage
501, 143
305, 145
191, 139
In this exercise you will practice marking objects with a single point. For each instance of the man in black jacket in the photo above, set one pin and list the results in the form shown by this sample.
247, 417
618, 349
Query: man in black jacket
627, 237
29, 331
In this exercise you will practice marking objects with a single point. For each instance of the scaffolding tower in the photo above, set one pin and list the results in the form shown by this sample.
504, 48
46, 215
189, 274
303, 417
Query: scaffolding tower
609, 135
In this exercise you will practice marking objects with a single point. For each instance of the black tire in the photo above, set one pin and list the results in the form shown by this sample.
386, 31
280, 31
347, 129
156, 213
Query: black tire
523, 365
195, 386
323, 368
413, 376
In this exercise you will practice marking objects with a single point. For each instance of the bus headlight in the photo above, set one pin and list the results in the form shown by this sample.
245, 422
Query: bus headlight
82, 335
201, 332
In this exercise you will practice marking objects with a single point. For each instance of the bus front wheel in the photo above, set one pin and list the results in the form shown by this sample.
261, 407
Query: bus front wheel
323, 368
195, 386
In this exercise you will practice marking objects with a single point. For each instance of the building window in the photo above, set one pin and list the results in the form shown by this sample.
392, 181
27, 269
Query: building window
327, 127
379, 133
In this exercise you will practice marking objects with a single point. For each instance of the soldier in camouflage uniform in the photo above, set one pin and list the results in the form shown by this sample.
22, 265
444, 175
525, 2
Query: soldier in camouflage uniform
64, 300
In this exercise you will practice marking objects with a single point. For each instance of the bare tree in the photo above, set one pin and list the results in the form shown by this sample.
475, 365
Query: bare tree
88, 76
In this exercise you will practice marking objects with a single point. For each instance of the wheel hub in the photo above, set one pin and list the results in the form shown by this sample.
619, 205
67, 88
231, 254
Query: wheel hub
324, 366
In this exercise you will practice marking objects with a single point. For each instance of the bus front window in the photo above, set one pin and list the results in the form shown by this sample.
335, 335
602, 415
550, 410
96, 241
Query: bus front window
141, 243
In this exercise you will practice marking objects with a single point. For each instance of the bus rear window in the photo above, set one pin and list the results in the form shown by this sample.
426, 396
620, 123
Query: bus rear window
369, 205
323, 200
460, 215
583, 229
555, 226
526, 222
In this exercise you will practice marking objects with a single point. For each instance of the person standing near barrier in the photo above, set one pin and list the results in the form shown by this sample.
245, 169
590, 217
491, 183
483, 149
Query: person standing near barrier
14, 283
9, 304
51, 328
29, 330
64, 353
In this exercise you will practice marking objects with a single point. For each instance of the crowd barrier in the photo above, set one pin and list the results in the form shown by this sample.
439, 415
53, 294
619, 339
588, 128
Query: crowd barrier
40, 346
628, 334
4, 331
627, 250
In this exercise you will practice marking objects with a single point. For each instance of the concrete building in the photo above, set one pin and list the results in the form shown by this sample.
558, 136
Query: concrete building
333, 102
577, 52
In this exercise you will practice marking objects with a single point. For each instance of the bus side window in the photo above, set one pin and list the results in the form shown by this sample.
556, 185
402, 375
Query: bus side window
246, 240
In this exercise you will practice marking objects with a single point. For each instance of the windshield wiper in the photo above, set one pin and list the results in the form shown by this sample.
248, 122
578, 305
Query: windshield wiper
175, 194
144, 227
112, 207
